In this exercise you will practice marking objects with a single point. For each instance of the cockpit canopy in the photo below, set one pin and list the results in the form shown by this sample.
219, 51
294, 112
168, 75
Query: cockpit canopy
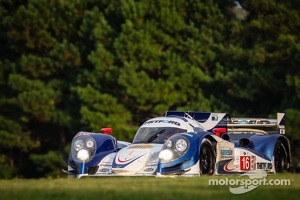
155, 134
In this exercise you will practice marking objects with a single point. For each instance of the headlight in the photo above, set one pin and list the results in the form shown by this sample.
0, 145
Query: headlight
166, 154
89, 143
181, 145
174, 148
83, 155
169, 143
78, 144
83, 148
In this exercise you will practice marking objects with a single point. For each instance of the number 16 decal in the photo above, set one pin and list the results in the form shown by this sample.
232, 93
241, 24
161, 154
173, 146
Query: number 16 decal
245, 163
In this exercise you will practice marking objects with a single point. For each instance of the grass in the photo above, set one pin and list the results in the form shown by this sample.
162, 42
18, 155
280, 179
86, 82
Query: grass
141, 188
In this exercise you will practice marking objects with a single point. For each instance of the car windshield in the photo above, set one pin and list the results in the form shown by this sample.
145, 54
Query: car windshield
155, 134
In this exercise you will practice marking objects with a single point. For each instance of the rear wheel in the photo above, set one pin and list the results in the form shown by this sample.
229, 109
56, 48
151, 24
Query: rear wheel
280, 157
207, 158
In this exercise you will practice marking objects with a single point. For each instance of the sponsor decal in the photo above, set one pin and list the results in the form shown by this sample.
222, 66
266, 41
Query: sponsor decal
104, 165
83, 133
149, 169
163, 121
103, 170
214, 117
225, 153
247, 121
243, 121
261, 165
127, 161
226, 168
141, 146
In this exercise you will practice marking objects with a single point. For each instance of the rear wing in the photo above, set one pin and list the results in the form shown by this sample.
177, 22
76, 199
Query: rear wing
208, 120
260, 122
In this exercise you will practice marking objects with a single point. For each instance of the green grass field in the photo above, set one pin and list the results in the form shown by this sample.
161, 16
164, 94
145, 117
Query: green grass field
142, 188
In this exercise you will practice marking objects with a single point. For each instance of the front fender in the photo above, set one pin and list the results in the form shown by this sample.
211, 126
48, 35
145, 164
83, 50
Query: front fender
105, 144
189, 159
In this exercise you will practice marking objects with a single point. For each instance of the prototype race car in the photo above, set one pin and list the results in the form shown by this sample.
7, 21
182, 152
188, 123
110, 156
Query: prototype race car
183, 143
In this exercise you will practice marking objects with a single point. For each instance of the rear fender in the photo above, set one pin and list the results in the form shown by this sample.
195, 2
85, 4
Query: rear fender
266, 144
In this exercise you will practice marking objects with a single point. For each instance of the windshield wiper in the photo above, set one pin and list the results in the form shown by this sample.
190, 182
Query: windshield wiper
153, 137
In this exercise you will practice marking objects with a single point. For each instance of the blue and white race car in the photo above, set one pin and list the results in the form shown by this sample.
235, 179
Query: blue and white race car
184, 143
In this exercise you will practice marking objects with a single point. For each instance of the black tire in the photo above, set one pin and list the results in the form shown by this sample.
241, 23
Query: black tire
207, 158
280, 157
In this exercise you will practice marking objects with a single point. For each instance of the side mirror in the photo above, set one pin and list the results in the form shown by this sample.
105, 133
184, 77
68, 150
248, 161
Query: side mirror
106, 131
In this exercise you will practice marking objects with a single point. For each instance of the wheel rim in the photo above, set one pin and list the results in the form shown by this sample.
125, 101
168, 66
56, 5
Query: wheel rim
206, 160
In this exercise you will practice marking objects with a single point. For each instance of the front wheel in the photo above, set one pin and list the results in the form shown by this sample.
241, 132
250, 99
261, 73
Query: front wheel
280, 157
207, 158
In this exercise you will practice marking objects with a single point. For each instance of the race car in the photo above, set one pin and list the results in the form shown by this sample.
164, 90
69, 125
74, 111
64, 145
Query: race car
183, 143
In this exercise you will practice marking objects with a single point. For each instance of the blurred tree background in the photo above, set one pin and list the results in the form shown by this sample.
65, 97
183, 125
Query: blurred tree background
67, 66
